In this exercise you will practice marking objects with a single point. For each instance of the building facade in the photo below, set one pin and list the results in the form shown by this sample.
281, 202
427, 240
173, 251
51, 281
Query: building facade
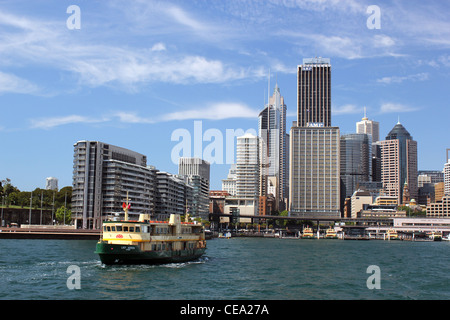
197, 172
247, 166
399, 163
274, 152
447, 179
51, 183
356, 161
174, 195
315, 172
369, 127
103, 175
314, 92
229, 184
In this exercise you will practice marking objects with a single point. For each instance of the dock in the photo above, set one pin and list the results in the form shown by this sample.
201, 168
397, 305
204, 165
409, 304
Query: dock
49, 234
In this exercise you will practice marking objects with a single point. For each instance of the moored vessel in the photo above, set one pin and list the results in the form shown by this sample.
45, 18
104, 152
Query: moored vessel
331, 234
436, 236
391, 234
307, 233
150, 242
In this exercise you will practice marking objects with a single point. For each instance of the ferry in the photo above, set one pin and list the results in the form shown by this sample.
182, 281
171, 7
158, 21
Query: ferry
226, 235
331, 234
307, 233
391, 234
150, 242
436, 236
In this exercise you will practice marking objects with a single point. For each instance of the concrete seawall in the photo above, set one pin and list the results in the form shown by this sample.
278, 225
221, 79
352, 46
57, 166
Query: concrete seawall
49, 233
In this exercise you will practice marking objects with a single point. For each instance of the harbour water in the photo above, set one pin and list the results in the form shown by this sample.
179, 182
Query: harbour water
232, 269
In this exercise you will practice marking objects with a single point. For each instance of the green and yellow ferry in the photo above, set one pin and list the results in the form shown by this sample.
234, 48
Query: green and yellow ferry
150, 242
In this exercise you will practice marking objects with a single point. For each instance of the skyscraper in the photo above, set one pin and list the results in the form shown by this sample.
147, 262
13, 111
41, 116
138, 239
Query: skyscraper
273, 151
356, 161
314, 93
369, 127
51, 183
197, 172
314, 174
247, 166
447, 178
399, 163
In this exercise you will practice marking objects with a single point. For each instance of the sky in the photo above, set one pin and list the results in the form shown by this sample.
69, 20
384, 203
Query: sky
182, 78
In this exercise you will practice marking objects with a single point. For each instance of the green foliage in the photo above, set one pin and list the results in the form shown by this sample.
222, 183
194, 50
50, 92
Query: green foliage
41, 197
63, 212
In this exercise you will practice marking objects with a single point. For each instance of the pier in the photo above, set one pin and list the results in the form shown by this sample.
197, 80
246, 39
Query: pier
53, 233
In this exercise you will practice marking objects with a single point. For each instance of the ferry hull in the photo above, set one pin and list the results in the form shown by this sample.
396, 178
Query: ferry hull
116, 254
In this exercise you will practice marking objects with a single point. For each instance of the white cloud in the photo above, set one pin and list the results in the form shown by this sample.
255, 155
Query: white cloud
381, 40
51, 122
159, 47
184, 18
10, 83
346, 109
390, 107
396, 79
215, 111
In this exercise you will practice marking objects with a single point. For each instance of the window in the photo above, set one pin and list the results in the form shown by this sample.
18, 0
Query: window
138, 229
131, 229
118, 228
125, 229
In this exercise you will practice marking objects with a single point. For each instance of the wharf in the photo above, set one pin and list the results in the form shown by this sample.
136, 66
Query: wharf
49, 233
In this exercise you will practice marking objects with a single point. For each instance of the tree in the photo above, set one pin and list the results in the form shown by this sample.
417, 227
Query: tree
61, 212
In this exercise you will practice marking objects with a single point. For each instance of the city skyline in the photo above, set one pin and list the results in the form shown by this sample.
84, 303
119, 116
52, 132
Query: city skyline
134, 73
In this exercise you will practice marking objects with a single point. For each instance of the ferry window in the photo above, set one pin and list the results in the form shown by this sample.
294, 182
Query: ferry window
108, 228
125, 229
104, 228
118, 228
113, 228
138, 229
131, 229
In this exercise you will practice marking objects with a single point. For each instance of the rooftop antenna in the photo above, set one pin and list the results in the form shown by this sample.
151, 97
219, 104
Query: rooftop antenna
398, 119
268, 89
365, 114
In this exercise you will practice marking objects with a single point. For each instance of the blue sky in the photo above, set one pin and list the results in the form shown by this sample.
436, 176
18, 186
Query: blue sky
135, 72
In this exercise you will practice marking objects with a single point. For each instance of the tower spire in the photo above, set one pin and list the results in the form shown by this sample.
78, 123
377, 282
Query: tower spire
365, 114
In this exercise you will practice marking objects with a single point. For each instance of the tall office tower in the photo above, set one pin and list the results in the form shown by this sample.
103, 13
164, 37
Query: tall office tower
51, 183
197, 172
247, 166
314, 93
273, 151
376, 162
103, 174
399, 163
369, 127
356, 161
314, 172
447, 178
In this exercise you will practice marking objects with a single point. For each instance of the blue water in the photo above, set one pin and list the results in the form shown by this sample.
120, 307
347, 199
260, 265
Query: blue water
235, 269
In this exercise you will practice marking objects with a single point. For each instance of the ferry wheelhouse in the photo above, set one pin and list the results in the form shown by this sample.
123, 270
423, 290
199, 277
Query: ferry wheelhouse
150, 242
